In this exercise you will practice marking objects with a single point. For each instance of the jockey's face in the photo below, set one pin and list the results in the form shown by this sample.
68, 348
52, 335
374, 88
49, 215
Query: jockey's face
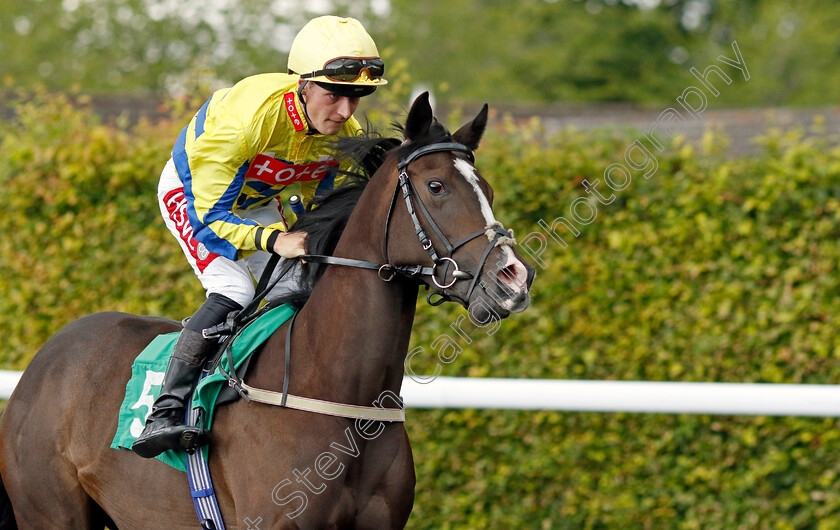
326, 112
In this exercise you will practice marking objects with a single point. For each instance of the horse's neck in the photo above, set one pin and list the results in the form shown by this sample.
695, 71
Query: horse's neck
355, 335
352, 336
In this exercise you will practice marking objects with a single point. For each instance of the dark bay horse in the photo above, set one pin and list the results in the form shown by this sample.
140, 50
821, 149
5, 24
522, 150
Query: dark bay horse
271, 466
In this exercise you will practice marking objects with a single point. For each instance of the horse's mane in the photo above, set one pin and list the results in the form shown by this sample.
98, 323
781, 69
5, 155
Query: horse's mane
327, 215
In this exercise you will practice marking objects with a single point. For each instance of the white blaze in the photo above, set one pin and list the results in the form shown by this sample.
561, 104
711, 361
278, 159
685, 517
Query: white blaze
512, 272
468, 171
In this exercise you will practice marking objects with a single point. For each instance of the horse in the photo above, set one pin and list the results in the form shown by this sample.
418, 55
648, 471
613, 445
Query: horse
350, 340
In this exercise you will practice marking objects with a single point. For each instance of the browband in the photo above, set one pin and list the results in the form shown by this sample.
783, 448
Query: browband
435, 148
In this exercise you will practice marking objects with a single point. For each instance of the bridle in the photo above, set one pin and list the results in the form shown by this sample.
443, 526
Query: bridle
496, 234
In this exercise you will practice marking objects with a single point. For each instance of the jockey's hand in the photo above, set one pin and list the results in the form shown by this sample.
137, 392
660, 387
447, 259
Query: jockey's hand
290, 244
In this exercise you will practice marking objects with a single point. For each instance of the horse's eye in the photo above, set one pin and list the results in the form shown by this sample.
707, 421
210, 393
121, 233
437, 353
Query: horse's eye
436, 187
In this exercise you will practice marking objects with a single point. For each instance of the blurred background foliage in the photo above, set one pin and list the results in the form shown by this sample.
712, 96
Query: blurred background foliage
498, 50
719, 268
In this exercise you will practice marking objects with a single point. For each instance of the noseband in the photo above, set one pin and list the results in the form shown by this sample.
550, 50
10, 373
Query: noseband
496, 234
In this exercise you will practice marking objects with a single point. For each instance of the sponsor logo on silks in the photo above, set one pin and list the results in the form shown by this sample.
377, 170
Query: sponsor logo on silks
176, 206
273, 171
289, 103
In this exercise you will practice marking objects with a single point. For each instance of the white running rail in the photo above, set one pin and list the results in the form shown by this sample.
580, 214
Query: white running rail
759, 399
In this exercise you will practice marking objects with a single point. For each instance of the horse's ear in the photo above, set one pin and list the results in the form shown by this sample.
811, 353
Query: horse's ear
419, 118
470, 134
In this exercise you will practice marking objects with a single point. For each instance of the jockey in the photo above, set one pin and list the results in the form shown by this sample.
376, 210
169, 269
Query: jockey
219, 193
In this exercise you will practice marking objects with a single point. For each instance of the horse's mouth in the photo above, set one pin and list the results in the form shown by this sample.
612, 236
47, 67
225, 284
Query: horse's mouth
503, 291
518, 303
503, 304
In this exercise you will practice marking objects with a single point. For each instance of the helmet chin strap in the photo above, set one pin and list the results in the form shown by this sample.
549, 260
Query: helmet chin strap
312, 129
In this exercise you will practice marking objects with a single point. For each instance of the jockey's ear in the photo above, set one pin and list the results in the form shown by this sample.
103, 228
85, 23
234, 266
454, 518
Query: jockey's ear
419, 118
470, 134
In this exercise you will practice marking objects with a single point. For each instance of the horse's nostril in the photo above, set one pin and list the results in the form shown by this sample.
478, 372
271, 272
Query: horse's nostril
514, 276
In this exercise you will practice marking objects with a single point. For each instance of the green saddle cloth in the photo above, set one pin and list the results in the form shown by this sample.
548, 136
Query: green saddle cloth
147, 376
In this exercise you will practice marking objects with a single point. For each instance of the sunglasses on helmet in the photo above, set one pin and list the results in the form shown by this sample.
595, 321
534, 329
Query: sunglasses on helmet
349, 69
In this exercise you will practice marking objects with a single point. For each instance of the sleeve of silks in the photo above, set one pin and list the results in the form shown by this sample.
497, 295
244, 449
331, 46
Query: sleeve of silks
219, 159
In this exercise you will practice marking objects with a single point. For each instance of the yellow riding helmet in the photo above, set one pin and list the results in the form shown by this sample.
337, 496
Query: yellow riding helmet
329, 41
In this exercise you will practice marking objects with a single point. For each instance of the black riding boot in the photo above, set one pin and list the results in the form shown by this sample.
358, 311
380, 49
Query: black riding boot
164, 428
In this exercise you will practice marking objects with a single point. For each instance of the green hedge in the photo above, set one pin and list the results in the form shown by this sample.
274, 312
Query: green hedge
82, 232
714, 269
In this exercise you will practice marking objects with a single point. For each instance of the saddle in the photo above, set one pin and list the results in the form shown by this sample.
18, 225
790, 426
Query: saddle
212, 391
